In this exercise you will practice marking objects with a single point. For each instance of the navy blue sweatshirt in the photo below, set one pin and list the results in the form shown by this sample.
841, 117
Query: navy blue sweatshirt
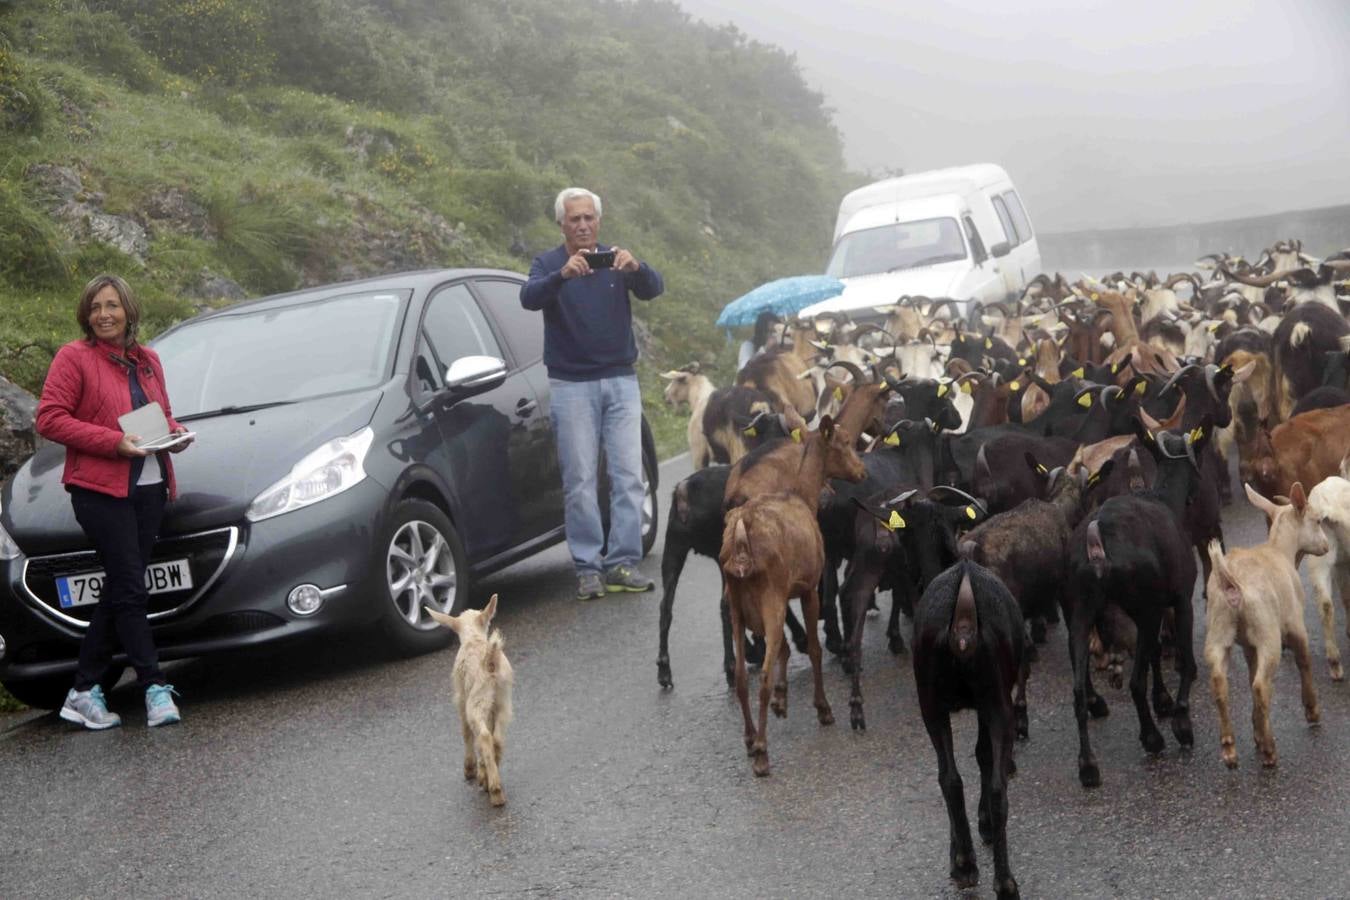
588, 321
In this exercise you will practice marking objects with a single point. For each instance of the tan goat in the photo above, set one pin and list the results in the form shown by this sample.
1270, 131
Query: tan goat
1254, 598
1329, 506
688, 385
482, 680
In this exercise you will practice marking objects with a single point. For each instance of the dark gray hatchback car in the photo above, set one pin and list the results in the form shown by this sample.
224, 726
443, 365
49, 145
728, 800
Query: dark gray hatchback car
364, 450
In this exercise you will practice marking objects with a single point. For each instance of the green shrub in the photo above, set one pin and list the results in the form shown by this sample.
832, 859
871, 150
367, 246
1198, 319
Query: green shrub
30, 248
100, 41
21, 109
209, 40
262, 234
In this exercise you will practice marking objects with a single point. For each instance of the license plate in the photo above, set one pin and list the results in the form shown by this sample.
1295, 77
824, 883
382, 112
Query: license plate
160, 578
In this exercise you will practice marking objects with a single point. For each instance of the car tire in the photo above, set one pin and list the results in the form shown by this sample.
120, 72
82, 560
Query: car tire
419, 561
47, 692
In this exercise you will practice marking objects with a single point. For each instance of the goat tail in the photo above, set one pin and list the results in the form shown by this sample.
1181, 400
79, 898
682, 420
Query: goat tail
496, 652
680, 500
1299, 335
742, 561
1096, 550
1228, 585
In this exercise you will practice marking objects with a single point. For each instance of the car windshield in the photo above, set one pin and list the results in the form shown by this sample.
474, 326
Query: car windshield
902, 245
282, 353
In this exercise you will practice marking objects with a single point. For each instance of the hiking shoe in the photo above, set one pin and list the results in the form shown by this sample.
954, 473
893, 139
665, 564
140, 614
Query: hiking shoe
589, 586
159, 706
88, 708
622, 578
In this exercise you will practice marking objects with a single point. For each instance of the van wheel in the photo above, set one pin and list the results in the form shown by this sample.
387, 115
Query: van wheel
419, 562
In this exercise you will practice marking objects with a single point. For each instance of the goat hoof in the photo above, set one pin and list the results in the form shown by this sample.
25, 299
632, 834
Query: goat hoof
1163, 706
896, 644
1152, 741
1038, 630
1337, 673
1270, 760
1097, 707
1116, 679
1313, 714
663, 675
824, 715
470, 771
779, 708
497, 797
1007, 889
965, 872
1229, 756
1181, 728
857, 719
761, 764
832, 644
1089, 776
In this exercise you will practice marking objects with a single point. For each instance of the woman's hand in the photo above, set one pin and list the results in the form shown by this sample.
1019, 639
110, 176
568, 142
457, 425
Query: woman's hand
183, 446
127, 446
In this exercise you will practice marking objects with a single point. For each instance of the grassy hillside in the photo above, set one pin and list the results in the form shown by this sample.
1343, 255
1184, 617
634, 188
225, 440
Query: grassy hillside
210, 149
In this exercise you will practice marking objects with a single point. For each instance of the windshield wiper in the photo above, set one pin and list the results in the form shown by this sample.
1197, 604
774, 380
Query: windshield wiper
926, 261
232, 410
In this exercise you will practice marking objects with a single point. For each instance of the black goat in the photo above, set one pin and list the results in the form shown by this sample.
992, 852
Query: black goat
725, 408
1134, 552
1301, 341
968, 647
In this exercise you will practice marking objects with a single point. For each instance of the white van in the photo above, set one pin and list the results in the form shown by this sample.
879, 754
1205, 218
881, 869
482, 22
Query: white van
961, 233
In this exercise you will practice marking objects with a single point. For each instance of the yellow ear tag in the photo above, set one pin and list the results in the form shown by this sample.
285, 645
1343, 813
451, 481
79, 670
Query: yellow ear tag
1022, 362
942, 390
970, 513
838, 394
1093, 296
1042, 469
1140, 387
1196, 434
1085, 401
796, 435
1115, 367
895, 521
1014, 386
1035, 320
988, 344
1094, 478
965, 387
1078, 372
1213, 326
751, 432
892, 440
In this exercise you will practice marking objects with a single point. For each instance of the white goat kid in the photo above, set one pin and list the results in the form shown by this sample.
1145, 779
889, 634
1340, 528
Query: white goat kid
482, 680
1329, 506
688, 385
1254, 598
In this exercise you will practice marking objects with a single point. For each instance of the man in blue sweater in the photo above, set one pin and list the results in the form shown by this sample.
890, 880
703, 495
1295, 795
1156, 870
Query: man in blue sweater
589, 351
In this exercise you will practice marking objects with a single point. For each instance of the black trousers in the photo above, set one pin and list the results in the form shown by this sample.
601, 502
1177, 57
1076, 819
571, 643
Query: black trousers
122, 531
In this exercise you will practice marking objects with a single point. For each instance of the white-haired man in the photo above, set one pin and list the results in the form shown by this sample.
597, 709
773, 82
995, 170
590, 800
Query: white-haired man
582, 287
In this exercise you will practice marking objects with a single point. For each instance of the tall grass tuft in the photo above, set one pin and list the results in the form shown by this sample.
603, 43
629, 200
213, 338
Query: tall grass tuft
262, 237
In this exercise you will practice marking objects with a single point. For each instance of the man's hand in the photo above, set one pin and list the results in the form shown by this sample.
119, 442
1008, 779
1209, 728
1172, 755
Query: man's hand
576, 265
183, 446
624, 261
127, 446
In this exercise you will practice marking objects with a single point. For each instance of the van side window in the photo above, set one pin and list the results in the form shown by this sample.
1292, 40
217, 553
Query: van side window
976, 245
1006, 221
1019, 215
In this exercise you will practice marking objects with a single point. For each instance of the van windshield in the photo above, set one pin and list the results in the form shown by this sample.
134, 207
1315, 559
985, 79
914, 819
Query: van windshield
902, 245
280, 354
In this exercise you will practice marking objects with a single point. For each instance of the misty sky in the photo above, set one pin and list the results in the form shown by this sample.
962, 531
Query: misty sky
1106, 114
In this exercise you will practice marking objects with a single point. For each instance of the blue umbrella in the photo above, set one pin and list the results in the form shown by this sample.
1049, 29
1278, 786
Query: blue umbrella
784, 297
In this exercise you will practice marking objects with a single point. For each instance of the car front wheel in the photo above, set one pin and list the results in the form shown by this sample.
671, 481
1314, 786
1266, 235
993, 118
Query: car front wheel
419, 563
649, 506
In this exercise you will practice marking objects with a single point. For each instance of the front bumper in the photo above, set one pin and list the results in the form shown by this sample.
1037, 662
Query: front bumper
329, 544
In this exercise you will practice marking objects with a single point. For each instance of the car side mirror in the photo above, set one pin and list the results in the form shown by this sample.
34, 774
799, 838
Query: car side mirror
1000, 250
470, 375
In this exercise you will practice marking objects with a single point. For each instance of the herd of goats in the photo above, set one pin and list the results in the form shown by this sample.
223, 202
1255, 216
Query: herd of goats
1065, 455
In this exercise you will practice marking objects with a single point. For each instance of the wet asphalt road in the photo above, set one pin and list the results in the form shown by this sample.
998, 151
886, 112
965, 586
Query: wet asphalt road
332, 771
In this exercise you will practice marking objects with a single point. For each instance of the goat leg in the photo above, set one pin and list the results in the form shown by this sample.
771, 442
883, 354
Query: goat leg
1184, 632
470, 761
1263, 682
964, 870
1162, 700
829, 608
860, 585
1218, 641
811, 610
672, 564
1089, 775
728, 655
798, 632
1320, 570
1149, 735
1298, 642
996, 737
742, 681
780, 686
1019, 709
773, 636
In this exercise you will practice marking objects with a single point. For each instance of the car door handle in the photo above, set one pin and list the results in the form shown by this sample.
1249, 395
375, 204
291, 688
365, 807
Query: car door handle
526, 407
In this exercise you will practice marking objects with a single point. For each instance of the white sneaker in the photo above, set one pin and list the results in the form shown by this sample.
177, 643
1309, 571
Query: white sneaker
159, 706
88, 708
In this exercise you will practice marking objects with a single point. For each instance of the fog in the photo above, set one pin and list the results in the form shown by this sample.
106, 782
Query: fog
1105, 114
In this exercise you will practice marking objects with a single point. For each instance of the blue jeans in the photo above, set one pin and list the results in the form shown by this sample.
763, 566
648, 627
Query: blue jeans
587, 416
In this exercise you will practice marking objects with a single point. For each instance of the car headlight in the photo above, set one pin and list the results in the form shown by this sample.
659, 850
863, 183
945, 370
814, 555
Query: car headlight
327, 471
8, 549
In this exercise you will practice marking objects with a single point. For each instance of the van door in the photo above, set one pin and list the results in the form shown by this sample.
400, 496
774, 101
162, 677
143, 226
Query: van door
1026, 256
985, 282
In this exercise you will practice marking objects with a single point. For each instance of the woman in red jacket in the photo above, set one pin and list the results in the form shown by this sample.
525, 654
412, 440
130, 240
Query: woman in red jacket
118, 490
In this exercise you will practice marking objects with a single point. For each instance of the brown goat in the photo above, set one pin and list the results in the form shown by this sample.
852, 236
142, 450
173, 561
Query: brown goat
1307, 448
772, 551
779, 374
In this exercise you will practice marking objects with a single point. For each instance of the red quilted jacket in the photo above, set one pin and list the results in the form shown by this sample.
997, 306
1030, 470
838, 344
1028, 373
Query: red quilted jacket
86, 390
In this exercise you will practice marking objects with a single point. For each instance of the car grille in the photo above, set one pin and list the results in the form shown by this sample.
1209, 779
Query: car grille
207, 553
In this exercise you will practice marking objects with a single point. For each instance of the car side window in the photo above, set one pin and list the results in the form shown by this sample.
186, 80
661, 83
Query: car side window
1010, 230
452, 327
1019, 215
976, 245
523, 329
